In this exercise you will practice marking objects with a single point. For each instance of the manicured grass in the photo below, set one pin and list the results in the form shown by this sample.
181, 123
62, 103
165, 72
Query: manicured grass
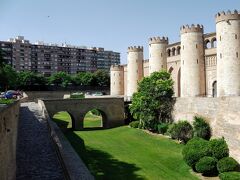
91, 120
127, 153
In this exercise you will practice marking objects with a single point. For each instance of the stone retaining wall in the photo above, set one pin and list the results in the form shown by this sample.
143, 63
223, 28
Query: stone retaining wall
223, 114
74, 167
8, 136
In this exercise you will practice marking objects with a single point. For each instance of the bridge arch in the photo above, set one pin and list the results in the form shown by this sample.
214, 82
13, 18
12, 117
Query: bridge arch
101, 120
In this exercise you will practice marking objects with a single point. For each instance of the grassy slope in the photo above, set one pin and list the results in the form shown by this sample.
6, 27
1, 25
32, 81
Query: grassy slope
126, 153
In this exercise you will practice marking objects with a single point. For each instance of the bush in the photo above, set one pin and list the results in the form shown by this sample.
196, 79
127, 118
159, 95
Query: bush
227, 164
230, 176
207, 165
219, 148
77, 96
6, 101
162, 128
134, 124
201, 128
194, 150
182, 131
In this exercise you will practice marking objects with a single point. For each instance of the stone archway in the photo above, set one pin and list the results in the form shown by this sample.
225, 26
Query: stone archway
91, 119
214, 89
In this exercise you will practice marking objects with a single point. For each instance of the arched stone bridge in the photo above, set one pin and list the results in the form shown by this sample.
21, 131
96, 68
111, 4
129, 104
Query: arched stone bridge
111, 108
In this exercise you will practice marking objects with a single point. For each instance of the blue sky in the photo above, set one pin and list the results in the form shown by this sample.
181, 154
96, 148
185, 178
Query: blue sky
112, 24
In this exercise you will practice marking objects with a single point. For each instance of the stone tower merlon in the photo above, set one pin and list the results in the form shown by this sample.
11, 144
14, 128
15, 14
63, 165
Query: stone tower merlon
192, 61
192, 28
134, 68
228, 53
135, 49
158, 40
117, 80
226, 16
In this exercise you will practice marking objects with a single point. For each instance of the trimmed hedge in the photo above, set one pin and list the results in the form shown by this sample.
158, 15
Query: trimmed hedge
162, 128
201, 128
219, 148
181, 130
134, 124
194, 150
230, 176
207, 165
227, 164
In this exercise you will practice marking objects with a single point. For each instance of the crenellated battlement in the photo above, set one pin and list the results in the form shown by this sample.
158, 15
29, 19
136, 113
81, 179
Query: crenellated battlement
158, 40
116, 68
135, 49
193, 28
225, 16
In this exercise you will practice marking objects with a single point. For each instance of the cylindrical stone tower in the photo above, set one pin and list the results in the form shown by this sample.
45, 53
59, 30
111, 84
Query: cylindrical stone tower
228, 53
117, 80
192, 61
134, 68
157, 54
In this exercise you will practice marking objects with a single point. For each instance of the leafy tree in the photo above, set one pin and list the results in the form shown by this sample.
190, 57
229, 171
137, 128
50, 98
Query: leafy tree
153, 103
102, 78
84, 78
28, 78
60, 79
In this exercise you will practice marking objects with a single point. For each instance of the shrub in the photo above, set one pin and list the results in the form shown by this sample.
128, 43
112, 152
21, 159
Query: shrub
201, 128
230, 176
6, 101
162, 128
219, 148
227, 164
194, 150
182, 131
207, 165
134, 124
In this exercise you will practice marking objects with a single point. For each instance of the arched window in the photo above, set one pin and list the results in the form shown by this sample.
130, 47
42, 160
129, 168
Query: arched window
178, 50
214, 42
168, 52
173, 51
207, 44
170, 70
214, 89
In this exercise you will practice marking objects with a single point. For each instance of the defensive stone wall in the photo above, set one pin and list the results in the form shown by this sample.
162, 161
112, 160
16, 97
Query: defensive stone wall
8, 138
222, 114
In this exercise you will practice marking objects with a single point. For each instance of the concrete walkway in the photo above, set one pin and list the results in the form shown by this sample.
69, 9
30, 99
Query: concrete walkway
36, 157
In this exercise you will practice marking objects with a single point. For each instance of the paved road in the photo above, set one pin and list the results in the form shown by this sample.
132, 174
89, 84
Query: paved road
36, 158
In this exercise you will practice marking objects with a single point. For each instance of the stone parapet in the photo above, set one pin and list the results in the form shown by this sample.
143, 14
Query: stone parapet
116, 68
135, 49
158, 40
226, 16
192, 28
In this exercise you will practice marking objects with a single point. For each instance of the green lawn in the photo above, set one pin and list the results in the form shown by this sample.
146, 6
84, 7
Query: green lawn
128, 154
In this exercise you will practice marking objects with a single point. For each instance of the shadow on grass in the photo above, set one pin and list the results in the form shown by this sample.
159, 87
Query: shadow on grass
101, 164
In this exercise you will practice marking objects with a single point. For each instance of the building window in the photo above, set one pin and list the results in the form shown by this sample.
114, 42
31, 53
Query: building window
197, 61
183, 47
183, 62
161, 54
235, 36
220, 55
196, 46
220, 38
237, 54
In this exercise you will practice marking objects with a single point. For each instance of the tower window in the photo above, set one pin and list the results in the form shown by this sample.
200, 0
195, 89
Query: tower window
237, 54
220, 55
161, 54
197, 61
220, 38
183, 62
183, 47
235, 36
196, 46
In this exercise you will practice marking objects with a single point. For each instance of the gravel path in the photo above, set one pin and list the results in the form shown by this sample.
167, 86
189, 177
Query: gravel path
36, 157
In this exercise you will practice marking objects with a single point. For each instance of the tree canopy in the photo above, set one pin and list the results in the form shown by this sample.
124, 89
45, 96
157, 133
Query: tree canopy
152, 104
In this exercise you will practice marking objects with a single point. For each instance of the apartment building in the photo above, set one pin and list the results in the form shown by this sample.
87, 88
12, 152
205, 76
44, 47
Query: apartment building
50, 58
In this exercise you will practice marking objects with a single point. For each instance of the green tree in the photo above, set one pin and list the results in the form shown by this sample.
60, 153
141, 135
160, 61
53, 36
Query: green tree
153, 102
28, 78
60, 79
102, 78
84, 79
